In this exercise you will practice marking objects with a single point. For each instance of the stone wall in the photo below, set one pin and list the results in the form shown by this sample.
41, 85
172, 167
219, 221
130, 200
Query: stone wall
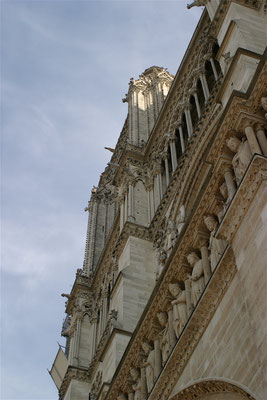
232, 347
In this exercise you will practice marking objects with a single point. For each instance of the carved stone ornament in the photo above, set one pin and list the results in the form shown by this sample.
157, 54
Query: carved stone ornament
200, 389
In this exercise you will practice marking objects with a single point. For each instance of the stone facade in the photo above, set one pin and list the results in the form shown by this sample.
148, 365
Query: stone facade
171, 300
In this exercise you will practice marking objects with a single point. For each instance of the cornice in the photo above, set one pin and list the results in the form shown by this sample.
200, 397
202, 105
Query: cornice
73, 373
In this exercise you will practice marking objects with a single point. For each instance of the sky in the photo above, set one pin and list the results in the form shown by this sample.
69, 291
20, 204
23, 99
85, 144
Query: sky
65, 67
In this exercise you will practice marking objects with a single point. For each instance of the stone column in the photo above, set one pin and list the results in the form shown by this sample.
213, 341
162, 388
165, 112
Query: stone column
181, 137
167, 170
214, 68
131, 203
252, 140
92, 233
160, 186
206, 263
204, 84
230, 183
158, 361
122, 214
152, 206
197, 105
188, 121
261, 138
94, 323
143, 384
131, 396
149, 205
76, 343
173, 155
126, 206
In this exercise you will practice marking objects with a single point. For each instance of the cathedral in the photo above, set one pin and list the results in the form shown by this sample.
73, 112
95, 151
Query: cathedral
170, 303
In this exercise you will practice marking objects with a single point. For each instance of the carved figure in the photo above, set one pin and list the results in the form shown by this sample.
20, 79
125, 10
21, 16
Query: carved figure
161, 260
197, 276
179, 308
171, 235
242, 157
216, 246
225, 202
149, 365
135, 374
167, 336
264, 105
122, 396
197, 3
181, 219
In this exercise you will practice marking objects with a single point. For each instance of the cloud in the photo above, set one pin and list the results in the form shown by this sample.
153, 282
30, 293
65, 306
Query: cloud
65, 68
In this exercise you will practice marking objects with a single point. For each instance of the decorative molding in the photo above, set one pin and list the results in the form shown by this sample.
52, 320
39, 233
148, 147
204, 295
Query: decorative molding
208, 387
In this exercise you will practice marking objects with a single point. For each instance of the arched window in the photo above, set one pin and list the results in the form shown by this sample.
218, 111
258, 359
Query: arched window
169, 157
209, 75
215, 50
193, 111
184, 128
201, 97
178, 145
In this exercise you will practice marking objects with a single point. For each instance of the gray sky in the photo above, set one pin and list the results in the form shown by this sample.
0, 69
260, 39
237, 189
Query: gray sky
65, 68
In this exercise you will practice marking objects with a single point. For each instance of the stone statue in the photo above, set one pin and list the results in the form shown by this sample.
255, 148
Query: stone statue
122, 396
149, 365
179, 308
227, 199
171, 235
135, 374
197, 3
264, 105
161, 260
216, 246
181, 219
197, 277
242, 157
167, 336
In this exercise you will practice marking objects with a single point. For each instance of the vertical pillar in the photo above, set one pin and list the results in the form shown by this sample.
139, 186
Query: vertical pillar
262, 139
160, 186
76, 342
230, 183
131, 396
173, 155
126, 206
149, 205
181, 137
197, 105
92, 235
204, 84
158, 360
130, 203
152, 206
214, 68
122, 214
143, 384
189, 121
167, 170
206, 263
94, 322
252, 141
